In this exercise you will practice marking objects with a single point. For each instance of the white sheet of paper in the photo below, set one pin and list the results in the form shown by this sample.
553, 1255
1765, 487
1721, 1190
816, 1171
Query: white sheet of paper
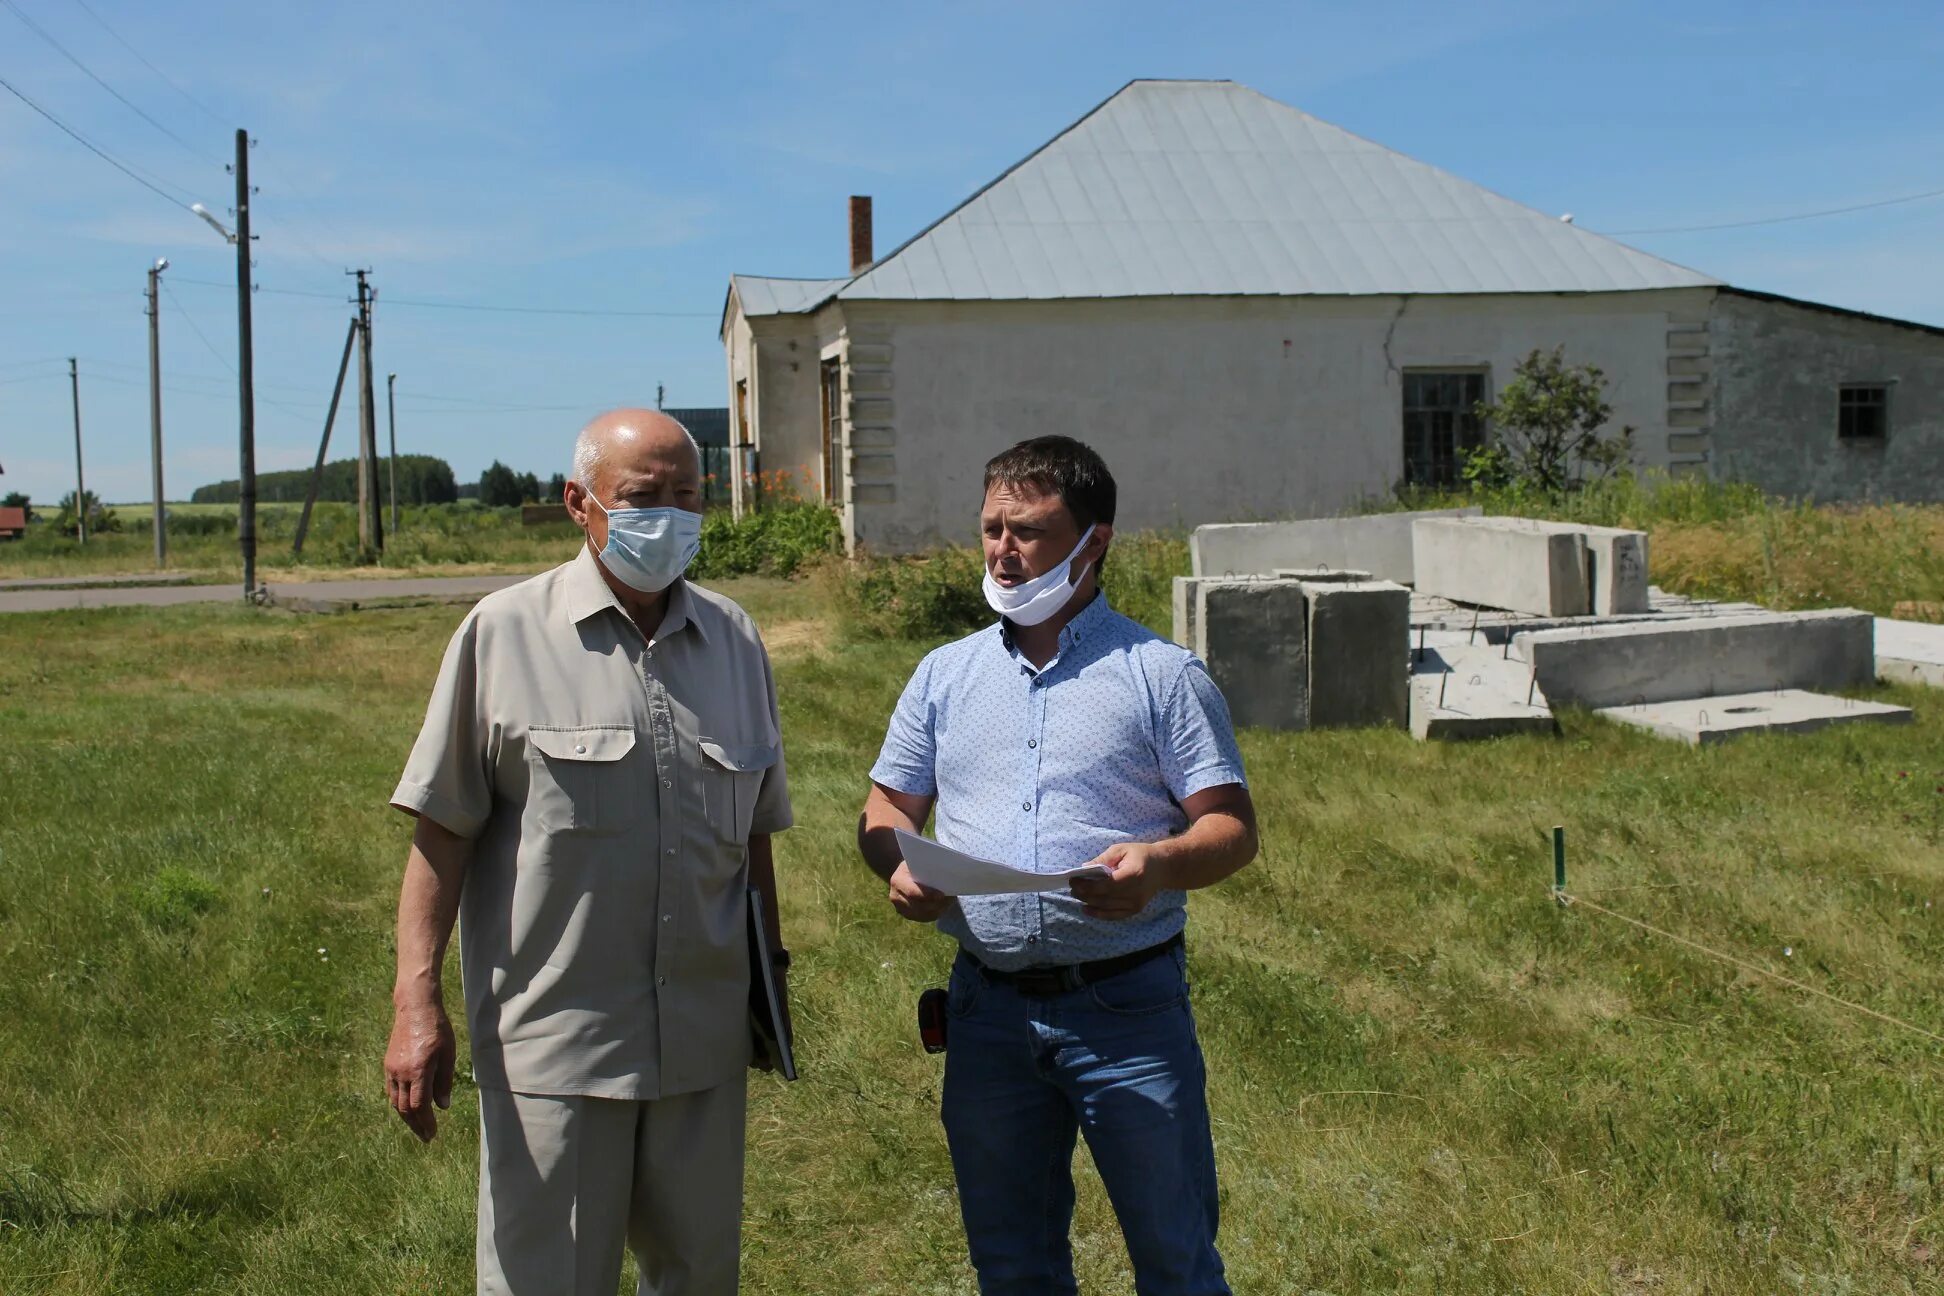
957, 874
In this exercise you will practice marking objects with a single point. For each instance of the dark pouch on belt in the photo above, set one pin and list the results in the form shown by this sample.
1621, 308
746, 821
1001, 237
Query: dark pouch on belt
931, 1020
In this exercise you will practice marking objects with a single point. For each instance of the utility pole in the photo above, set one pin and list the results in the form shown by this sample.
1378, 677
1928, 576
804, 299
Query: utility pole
324, 443
155, 409
391, 460
80, 485
245, 373
371, 527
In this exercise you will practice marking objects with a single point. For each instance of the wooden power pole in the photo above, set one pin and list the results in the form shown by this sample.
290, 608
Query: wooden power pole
391, 460
80, 483
160, 522
246, 483
371, 524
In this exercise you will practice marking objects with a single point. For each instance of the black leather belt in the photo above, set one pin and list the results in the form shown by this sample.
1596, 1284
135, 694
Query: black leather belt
1043, 982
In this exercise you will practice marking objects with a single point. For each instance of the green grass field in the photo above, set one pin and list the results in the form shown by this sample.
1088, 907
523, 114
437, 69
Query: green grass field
1426, 1077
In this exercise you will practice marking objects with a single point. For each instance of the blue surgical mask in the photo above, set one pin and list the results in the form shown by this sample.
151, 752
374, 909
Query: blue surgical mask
648, 549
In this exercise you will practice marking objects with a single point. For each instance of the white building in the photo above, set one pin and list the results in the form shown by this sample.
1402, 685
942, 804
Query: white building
1252, 313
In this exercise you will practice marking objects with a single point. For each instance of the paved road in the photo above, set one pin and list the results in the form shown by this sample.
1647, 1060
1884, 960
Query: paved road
81, 582
315, 595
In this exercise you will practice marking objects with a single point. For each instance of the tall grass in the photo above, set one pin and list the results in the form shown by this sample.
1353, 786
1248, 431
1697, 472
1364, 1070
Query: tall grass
1726, 540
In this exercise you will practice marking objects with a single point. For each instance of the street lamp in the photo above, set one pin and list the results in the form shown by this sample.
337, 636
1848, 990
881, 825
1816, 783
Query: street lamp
214, 224
245, 366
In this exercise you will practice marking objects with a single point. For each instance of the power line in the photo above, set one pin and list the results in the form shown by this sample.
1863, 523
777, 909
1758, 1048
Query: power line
548, 310
1779, 220
126, 102
166, 78
190, 320
123, 167
473, 306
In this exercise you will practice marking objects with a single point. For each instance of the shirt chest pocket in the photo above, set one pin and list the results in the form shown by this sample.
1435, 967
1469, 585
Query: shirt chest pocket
581, 778
732, 778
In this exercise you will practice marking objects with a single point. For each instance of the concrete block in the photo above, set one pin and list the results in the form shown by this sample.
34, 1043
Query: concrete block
1509, 563
1253, 635
1184, 604
1359, 644
1379, 543
1322, 575
1703, 722
1461, 692
1910, 652
1616, 564
1644, 661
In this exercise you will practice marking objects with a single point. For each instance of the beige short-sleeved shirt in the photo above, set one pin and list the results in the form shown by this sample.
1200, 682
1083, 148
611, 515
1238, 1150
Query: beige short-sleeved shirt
610, 786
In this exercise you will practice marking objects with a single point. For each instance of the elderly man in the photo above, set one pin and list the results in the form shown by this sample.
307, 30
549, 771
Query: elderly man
1066, 734
598, 778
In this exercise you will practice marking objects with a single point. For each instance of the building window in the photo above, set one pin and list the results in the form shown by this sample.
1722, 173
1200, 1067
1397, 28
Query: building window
1863, 412
831, 383
1440, 423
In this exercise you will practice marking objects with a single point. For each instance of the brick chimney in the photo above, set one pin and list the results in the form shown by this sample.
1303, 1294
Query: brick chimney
860, 233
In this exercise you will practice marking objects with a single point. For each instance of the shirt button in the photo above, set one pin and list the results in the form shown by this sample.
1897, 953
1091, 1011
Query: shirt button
1033, 939
1025, 805
661, 980
667, 917
670, 852
667, 783
580, 749
1032, 742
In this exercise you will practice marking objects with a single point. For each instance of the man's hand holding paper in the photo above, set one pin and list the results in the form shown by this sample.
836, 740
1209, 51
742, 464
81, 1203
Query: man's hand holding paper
1134, 875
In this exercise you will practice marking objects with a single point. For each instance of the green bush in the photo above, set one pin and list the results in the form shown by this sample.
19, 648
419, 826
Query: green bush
779, 540
931, 596
940, 594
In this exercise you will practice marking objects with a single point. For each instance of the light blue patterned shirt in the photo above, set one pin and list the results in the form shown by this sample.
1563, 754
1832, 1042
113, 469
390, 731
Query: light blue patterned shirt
1044, 770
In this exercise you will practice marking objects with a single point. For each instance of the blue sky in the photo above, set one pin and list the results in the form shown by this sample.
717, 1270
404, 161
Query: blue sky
628, 157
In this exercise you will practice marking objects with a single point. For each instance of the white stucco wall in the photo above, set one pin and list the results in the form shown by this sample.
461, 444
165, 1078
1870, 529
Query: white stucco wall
778, 355
1210, 410
1777, 370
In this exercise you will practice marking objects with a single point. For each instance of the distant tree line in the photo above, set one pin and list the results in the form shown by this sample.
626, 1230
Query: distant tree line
422, 479
501, 487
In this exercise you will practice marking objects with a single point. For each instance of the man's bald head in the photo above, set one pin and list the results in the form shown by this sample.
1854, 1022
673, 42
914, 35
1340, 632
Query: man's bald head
629, 441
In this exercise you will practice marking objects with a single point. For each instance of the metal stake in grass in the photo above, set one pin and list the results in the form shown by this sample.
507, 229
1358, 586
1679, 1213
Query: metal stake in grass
1559, 863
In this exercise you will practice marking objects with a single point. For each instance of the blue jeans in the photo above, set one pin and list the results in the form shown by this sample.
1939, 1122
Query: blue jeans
1116, 1060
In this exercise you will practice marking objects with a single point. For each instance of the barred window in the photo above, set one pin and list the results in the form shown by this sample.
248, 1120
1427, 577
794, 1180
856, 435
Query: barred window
1863, 412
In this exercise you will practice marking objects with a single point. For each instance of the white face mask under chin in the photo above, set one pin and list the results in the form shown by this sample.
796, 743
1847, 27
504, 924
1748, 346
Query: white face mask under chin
1034, 601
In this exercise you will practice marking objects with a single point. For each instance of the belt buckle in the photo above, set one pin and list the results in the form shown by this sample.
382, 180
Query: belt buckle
1040, 983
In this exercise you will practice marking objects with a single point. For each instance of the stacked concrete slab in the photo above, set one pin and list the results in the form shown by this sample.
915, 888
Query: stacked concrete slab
1462, 688
1253, 635
1379, 543
1910, 652
1506, 563
1616, 563
1547, 569
1359, 635
1703, 657
1186, 592
1322, 575
1706, 721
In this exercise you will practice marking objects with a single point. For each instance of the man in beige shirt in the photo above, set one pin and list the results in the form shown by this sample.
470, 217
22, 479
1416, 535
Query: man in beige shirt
597, 781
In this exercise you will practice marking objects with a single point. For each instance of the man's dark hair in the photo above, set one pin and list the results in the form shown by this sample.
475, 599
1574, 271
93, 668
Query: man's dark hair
1068, 468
